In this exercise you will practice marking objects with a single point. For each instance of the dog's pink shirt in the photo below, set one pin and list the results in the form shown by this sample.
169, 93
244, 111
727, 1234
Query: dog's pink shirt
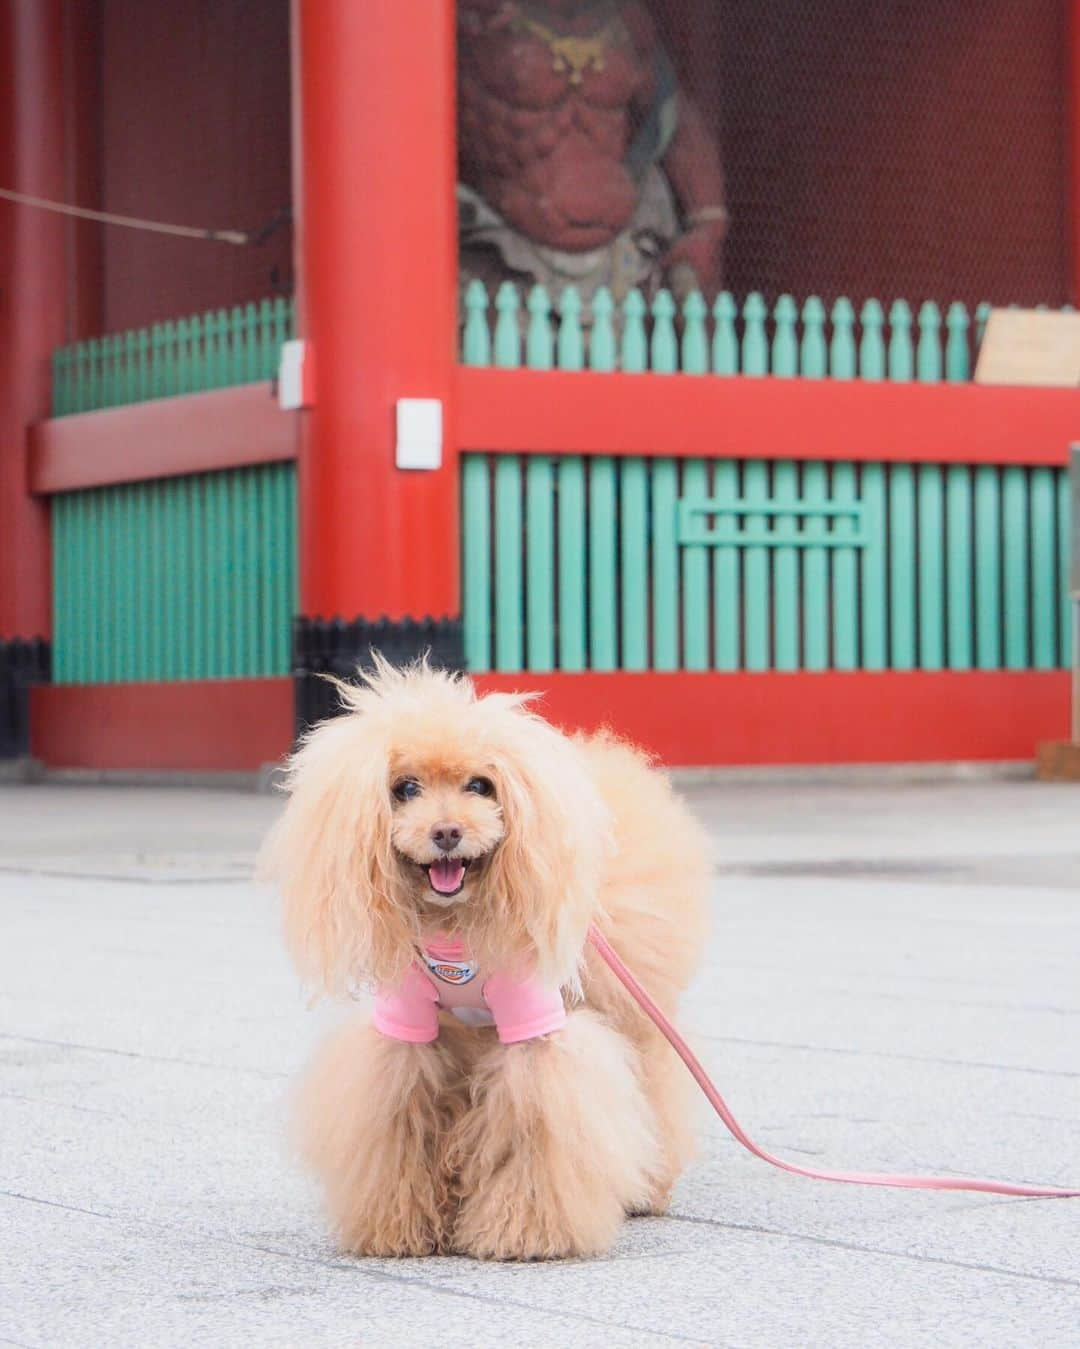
520, 1009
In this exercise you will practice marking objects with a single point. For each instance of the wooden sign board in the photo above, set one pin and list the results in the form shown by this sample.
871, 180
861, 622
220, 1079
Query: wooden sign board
1030, 346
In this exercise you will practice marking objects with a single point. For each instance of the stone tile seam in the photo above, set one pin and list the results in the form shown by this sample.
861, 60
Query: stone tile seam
340, 1266
834, 1242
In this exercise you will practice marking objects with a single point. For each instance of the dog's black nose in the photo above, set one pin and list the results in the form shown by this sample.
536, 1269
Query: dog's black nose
446, 836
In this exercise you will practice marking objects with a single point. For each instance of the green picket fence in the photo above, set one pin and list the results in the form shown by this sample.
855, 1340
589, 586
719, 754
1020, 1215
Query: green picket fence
189, 355
603, 563
179, 578
724, 338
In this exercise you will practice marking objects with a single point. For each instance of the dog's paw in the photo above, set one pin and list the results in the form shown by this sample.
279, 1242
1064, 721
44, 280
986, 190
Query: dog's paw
388, 1236
501, 1224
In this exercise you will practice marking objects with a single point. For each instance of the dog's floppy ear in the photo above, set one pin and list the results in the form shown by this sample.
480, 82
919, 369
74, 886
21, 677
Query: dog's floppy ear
544, 876
331, 855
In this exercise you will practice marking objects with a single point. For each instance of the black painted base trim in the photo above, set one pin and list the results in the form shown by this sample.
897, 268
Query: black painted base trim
331, 646
22, 663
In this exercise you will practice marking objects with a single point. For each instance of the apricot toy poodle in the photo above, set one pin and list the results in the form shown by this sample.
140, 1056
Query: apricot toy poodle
448, 852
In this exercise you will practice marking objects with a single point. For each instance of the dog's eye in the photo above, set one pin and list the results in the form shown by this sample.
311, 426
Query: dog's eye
406, 789
480, 787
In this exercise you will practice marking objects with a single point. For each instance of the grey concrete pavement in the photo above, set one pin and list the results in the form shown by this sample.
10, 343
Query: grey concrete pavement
893, 983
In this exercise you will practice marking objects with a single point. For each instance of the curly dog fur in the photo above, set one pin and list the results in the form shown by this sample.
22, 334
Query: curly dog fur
503, 1151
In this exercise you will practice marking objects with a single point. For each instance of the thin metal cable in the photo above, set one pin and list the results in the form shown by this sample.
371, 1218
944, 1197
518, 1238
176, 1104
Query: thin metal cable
239, 237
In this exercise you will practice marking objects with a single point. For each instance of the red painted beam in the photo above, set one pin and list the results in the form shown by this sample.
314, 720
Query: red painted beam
163, 438
530, 411
218, 725
829, 718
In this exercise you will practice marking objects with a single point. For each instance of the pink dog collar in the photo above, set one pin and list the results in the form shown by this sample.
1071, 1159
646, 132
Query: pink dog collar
446, 979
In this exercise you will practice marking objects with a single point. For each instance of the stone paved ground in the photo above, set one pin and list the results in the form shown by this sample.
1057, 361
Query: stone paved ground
893, 982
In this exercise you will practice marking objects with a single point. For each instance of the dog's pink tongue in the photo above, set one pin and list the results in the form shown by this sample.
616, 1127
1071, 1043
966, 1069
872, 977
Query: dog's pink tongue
446, 875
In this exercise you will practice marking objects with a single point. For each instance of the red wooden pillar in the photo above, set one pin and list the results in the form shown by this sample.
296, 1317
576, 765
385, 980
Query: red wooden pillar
376, 267
32, 299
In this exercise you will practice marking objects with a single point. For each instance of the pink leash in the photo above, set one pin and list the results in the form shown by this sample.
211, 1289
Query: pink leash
718, 1103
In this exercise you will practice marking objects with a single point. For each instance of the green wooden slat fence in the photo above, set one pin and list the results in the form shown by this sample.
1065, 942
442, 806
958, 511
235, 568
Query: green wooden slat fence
529, 330
180, 578
660, 564
188, 355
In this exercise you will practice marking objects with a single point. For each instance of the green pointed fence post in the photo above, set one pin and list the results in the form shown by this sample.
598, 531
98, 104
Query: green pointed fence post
930, 510
124, 376
267, 349
1044, 582
988, 580
105, 383
183, 356
695, 574
842, 357
209, 348
901, 356
930, 567
540, 562
93, 374
633, 517
224, 356
957, 359
198, 354
872, 341
845, 611
928, 355
635, 347
119, 371
249, 344
60, 363
539, 341
507, 332
725, 343
665, 564
664, 348
572, 578
728, 607
281, 332
785, 570
814, 599
785, 344
476, 339
755, 346
125, 385
169, 353
757, 620
105, 390
982, 318
695, 340
142, 339
570, 348
602, 497
82, 379
602, 346
812, 352
1016, 566
237, 364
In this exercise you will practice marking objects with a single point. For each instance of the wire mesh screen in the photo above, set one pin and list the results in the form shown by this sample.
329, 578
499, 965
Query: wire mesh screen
900, 147
890, 148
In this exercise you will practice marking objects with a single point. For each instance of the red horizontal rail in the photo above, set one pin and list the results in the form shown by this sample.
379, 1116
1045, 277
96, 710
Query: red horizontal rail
162, 438
829, 718
683, 718
212, 725
559, 412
